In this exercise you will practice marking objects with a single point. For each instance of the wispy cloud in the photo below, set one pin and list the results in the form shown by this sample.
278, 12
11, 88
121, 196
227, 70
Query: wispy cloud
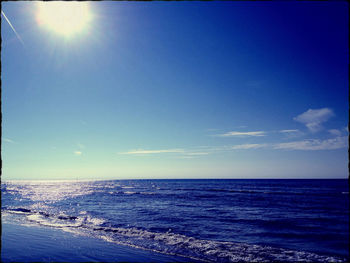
334, 143
335, 132
288, 131
196, 153
313, 119
8, 140
315, 144
191, 155
182, 153
248, 146
242, 134
80, 149
141, 151
291, 133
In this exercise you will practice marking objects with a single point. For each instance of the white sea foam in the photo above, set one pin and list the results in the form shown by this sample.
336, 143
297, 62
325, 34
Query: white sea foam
36, 218
176, 244
207, 249
17, 212
93, 221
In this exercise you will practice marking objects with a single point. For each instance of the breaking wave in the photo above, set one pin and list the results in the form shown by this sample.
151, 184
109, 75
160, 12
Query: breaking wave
166, 242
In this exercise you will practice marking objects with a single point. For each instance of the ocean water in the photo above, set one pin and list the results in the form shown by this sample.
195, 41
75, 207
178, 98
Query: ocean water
205, 220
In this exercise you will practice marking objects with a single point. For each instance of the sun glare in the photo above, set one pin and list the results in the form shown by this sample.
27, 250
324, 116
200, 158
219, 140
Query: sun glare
64, 17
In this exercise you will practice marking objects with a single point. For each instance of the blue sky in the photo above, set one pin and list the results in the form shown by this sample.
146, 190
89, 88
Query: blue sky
177, 90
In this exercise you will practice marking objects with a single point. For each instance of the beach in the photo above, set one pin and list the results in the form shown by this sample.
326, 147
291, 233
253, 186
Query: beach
45, 244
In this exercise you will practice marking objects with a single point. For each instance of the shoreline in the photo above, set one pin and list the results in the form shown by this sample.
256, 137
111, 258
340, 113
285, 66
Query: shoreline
22, 243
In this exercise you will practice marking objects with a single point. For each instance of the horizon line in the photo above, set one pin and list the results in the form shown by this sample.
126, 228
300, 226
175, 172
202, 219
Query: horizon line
126, 179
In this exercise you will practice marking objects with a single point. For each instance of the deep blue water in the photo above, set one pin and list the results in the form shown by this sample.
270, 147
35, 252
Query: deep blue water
213, 220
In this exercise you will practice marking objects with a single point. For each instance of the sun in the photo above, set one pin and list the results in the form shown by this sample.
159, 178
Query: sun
66, 18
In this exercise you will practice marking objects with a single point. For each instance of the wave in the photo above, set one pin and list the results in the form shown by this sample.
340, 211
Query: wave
255, 191
130, 193
169, 242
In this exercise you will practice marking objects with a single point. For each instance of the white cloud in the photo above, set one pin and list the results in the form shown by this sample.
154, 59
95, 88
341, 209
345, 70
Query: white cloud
314, 118
242, 134
334, 143
185, 153
248, 146
315, 144
141, 151
335, 132
77, 152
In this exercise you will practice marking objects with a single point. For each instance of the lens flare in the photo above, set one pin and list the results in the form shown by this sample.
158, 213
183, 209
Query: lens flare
64, 17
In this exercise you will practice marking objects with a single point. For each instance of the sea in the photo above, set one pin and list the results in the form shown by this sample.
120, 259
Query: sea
211, 220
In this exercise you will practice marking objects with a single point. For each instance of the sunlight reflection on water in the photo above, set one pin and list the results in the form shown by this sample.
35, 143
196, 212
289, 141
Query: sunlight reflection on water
49, 191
